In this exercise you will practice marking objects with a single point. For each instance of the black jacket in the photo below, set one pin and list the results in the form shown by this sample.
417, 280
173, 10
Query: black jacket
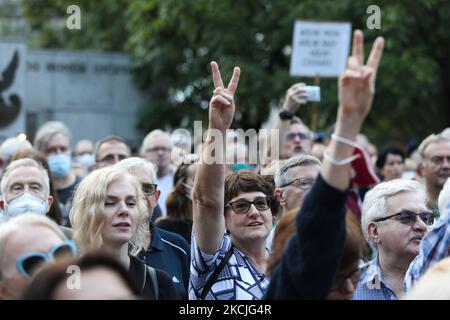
312, 258
141, 278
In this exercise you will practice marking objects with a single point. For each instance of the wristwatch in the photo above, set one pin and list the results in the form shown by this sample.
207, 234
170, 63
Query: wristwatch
286, 115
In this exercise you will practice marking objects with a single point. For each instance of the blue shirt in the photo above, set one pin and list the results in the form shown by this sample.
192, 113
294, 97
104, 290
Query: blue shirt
170, 253
434, 247
372, 285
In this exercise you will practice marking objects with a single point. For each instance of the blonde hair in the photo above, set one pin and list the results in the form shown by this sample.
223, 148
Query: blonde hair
87, 215
19, 223
433, 285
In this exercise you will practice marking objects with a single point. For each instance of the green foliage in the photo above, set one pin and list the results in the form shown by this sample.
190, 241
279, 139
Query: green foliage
173, 41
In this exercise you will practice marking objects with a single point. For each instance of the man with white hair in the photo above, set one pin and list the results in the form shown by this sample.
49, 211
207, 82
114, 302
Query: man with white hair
436, 244
167, 251
394, 221
25, 187
157, 147
294, 179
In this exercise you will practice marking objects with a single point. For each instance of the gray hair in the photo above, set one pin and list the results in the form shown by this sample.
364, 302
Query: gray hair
11, 145
151, 135
374, 205
25, 162
20, 222
47, 131
133, 163
432, 138
444, 197
282, 176
446, 133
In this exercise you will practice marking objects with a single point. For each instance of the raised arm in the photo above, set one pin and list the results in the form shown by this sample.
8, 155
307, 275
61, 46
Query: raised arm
208, 197
295, 96
312, 258
356, 91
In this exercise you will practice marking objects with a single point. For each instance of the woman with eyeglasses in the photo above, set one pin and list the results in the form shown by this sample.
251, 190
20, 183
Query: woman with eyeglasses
27, 242
109, 212
232, 216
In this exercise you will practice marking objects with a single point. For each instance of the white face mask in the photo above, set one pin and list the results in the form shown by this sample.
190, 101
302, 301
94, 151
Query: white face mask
26, 203
86, 160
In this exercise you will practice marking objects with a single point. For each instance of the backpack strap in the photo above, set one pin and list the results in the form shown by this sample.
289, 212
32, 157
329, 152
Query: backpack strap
154, 278
212, 279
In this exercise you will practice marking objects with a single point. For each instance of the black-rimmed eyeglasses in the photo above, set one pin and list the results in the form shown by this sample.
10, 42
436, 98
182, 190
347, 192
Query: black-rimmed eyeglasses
242, 206
149, 189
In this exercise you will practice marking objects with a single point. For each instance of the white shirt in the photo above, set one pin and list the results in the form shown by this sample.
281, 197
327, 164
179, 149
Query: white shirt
165, 184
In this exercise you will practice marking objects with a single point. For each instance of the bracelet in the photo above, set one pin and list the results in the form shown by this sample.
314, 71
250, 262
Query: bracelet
340, 162
344, 141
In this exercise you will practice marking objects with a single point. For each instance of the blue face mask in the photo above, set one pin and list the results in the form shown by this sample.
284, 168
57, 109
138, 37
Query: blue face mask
59, 165
242, 166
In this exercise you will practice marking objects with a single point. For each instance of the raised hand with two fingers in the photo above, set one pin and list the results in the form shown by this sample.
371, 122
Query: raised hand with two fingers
221, 106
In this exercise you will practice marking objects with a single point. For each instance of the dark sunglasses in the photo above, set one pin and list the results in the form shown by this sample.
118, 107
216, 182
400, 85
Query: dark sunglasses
149, 189
30, 262
409, 217
241, 206
353, 276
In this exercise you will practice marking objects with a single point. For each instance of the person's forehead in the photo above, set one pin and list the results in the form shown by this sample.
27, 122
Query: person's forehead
249, 195
113, 148
83, 147
26, 175
438, 148
159, 140
121, 188
308, 171
29, 238
407, 199
298, 127
393, 156
58, 140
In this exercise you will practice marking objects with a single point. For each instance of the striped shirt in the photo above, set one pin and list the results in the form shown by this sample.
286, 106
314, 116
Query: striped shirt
239, 279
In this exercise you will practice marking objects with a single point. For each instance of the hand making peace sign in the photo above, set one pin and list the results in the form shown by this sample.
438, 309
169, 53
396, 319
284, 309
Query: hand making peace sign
357, 84
221, 106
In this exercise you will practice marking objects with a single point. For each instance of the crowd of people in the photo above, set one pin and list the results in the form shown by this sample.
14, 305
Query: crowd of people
330, 218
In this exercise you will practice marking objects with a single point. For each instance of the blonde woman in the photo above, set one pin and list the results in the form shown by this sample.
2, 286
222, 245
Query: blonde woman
109, 212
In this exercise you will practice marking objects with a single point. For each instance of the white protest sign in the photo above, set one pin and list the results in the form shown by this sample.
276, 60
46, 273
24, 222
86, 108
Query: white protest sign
320, 49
